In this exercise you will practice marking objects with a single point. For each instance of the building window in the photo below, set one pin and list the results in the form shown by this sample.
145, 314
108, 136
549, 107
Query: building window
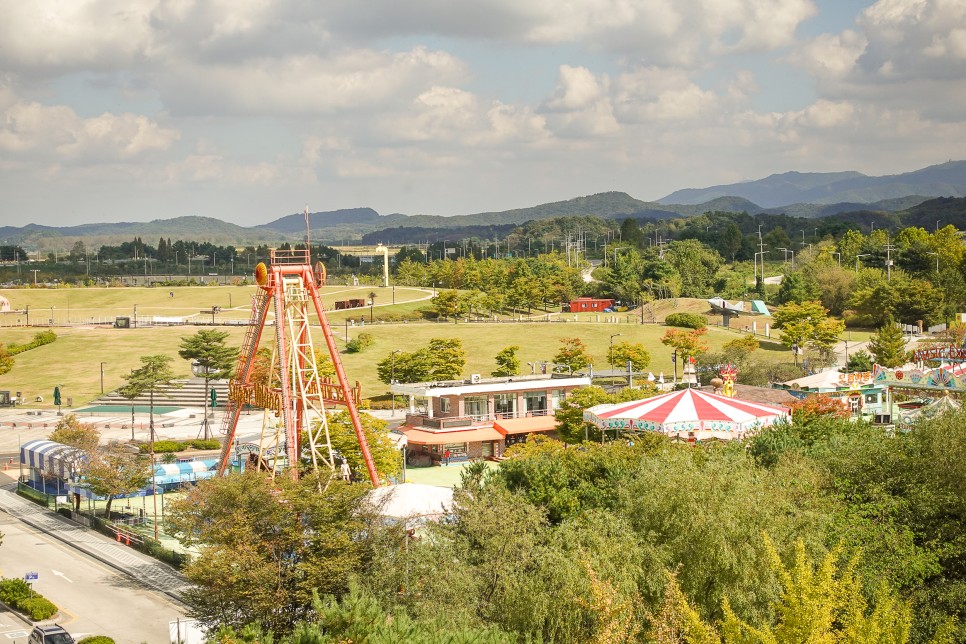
444, 405
505, 405
475, 407
855, 404
535, 402
557, 398
871, 399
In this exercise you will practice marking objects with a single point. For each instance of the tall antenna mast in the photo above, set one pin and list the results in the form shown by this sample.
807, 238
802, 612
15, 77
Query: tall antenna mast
308, 246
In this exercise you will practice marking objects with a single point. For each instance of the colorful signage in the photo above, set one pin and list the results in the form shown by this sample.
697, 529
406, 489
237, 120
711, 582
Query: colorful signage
940, 353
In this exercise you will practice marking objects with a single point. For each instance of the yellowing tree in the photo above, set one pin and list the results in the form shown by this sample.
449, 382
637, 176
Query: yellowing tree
819, 603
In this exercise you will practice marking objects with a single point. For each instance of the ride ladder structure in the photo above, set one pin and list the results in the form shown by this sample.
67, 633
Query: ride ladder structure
294, 397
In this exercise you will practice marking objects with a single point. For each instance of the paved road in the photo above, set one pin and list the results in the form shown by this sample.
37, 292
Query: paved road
93, 598
102, 586
13, 628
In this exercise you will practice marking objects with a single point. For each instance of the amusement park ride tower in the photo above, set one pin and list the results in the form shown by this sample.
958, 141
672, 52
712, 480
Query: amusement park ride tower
295, 425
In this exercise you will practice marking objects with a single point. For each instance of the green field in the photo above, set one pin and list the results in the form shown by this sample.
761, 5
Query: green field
74, 361
97, 305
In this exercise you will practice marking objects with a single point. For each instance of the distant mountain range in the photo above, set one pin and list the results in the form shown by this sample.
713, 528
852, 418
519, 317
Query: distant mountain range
795, 194
779, 190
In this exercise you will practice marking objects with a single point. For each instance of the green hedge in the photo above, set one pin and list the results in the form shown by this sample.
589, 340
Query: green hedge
16, 593
686, 320
96, 639
167, 447
42, 338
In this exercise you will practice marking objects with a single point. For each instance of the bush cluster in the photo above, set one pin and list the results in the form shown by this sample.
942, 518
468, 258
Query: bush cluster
17, 594
96, 639
167, 447
360, 342
686, 320
42, 338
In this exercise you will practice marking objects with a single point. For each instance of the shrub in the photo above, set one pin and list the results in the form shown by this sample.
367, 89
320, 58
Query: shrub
42, 338
201, 443
16, 593
13, 591
360, 342
160, 447
96, 639
38, 608
686, 320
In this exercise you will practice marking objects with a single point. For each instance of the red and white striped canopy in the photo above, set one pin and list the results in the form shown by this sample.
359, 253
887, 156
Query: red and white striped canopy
689, 411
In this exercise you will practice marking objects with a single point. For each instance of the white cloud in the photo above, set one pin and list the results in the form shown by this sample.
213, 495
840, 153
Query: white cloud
656, 94
906, 54
51, 35
578, 88
217, 169
57, 133
356, 81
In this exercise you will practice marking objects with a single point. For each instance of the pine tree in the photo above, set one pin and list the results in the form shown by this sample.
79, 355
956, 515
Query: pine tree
887, 346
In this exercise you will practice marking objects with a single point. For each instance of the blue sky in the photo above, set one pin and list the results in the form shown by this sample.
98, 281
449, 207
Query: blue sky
245, 110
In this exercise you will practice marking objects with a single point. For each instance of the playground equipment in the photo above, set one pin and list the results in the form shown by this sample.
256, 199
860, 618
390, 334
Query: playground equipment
294, 397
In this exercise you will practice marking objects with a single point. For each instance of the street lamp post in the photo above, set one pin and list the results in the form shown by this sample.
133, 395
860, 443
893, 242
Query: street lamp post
610, 351
762, 254
857, 260
937, 256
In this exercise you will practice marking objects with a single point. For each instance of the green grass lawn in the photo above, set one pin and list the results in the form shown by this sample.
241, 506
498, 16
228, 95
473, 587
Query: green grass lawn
84, 305
440, 476
74, 361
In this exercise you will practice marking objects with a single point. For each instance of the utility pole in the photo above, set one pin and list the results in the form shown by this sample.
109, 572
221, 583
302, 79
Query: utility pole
889, 248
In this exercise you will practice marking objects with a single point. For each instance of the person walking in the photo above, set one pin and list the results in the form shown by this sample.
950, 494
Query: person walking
446, 457
345, 471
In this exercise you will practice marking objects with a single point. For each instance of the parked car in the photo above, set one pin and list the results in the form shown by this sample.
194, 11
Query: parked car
50, 634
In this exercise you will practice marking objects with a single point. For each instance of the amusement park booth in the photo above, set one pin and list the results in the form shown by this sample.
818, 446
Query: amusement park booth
54, 469
480, 417
859, 392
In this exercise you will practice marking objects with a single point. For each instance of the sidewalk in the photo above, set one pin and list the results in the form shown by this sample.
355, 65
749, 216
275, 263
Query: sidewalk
142, 568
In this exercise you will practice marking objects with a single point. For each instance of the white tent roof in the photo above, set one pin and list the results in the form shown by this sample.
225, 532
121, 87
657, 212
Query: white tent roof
412, 500
705, 414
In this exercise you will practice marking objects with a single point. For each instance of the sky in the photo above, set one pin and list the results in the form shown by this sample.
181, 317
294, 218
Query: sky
250, 110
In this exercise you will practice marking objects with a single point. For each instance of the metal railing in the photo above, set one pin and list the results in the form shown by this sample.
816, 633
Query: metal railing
450, 422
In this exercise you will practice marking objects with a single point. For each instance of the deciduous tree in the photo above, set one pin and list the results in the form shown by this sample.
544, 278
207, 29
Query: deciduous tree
385, 454
633, 352
572, 353
110, 473
507, 362
266, 546
71, 431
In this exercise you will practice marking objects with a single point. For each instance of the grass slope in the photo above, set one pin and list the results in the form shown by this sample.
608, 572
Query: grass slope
74, 360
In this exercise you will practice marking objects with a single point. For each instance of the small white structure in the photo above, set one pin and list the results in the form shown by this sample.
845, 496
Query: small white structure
412, 501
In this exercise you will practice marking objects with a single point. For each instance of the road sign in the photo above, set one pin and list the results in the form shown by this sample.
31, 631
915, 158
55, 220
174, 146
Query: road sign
31, 576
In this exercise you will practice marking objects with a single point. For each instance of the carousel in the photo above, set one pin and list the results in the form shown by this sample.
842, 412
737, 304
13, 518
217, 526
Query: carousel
688, 414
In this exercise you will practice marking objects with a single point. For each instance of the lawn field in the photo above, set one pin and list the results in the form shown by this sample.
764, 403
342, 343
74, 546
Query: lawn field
100, 305
74, 360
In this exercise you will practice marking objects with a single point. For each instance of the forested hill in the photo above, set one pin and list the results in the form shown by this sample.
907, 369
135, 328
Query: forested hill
778, 190
295, 224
